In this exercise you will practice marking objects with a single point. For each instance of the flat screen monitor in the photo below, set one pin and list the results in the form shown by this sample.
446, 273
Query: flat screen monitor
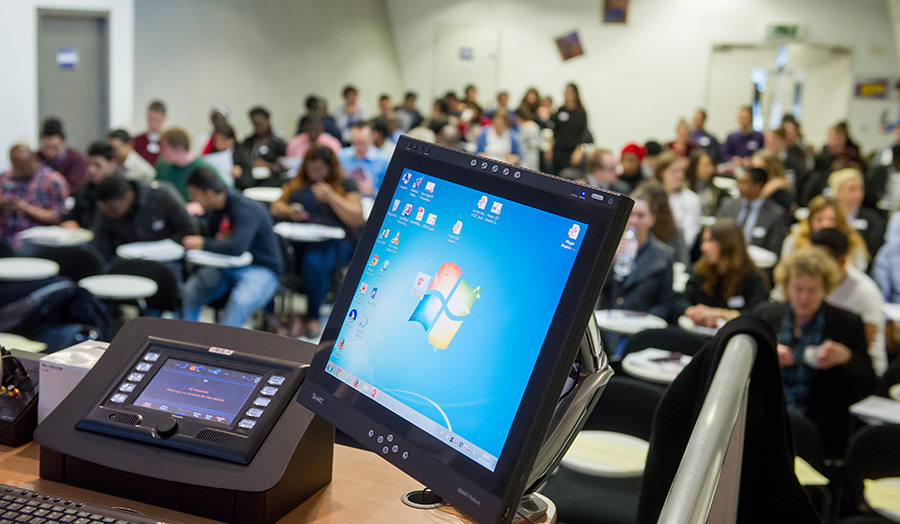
459, 319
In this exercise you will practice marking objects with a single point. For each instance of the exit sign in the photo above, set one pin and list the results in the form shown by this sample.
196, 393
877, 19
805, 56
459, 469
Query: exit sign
785, 32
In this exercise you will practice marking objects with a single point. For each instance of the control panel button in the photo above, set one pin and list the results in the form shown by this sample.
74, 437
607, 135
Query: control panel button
136, 377
276, 380
167, 428
151, 357
269, 391
395, 448
262, 401
246, 423
118, 398
371, 433
390, 437
381, 439
254, 412
127, 387
143, 366
384, 450
405, 455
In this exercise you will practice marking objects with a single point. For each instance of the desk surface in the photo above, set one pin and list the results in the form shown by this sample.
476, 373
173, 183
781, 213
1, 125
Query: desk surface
365, 488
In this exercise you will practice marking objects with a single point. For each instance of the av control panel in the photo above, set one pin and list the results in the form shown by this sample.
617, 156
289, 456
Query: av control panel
208, 400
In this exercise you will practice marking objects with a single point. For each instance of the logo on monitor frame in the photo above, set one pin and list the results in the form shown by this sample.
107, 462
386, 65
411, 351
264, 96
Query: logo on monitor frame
447, 301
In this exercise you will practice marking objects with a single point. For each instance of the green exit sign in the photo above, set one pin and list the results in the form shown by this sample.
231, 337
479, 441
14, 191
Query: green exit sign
784, 32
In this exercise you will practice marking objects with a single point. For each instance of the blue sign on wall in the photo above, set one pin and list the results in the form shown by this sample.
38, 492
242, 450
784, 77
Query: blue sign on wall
67, 57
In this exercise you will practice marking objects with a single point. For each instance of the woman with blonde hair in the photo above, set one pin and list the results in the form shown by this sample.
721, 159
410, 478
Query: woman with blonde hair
827, 212
848, 188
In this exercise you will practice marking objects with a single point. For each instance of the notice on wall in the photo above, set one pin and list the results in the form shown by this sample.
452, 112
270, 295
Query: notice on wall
67, 57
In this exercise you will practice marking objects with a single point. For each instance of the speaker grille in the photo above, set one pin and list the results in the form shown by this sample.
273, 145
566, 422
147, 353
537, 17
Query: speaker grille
218, 437
125, 418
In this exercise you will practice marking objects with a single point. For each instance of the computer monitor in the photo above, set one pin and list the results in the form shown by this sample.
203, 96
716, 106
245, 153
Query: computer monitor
460, 317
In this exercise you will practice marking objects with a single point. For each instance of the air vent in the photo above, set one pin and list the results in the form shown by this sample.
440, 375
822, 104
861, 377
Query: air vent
129, 419
225, 439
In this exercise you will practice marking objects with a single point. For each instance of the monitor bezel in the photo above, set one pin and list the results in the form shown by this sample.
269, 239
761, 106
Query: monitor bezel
483, 494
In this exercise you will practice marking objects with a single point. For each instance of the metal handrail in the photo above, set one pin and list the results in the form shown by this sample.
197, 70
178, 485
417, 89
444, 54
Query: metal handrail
694, 488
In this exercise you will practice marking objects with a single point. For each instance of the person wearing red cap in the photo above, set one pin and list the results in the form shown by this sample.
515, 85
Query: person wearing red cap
630, 158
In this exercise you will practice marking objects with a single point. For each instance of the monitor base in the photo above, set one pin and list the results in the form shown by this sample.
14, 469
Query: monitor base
423, 499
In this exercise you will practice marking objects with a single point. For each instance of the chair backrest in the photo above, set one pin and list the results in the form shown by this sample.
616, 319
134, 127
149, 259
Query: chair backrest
6, 250
626, 406
166, 297
669, 339
872, 454
807, 440
890, 378
75, 262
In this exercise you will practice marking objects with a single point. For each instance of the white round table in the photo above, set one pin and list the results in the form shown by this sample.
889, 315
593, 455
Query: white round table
159, 251
655, 365
688, 325
894, 392
299, 232
22, 269
119, 287
263, 194
56, 236
883, 496
607, 454
627, 322
763, 258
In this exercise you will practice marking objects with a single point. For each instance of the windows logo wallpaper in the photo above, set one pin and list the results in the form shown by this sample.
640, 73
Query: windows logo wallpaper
447, 301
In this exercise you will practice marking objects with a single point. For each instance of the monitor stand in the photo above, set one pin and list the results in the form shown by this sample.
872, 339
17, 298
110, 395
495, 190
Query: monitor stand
589, 376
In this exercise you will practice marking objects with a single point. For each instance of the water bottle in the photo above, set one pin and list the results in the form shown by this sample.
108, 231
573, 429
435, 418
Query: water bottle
624, 259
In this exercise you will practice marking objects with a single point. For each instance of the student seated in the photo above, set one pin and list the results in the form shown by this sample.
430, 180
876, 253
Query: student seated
761, 219
725, 283
235, 224
826, 212
31, 194
848, 188
320, 194
821, 348
685, 204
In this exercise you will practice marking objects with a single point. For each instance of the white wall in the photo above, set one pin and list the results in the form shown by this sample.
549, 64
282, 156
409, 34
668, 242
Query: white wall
638, 79
19, 59
195, 53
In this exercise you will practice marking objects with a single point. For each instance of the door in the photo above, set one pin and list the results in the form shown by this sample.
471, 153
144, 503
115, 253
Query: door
73, 83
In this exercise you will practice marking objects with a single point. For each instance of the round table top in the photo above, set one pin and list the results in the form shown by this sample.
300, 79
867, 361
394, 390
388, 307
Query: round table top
883, 495
308, 232
607, 454
894, 392
627, 322
160, 251
263, 194
763, 258
25, 268
688, 325
56, 236
119, 287
655, 365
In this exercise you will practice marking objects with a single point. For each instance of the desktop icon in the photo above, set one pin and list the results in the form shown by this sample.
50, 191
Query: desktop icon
364, 322
482, 202
406, 177
374, 294
574, 230
448, 300
374, 391
384, 233
339, 371
418, 182
407, 209
374, 261
396, 205
386, 265
457, 227
330, 368
396, 239
351, 317
341, 346
420, 284
429, 187
431, 219
496, 207
363, 288
420, 212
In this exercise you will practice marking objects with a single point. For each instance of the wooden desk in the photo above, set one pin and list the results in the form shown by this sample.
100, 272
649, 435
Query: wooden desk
365, 488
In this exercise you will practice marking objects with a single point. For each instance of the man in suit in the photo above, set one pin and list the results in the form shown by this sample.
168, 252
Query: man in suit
761, 219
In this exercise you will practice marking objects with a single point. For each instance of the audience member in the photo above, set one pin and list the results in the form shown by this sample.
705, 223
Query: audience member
569, 130
101, 163
499, 140
761, 219
320, 194
231, 162
683, 144
725, 283
532, 101
826, 212
792, 156
58, 155
700, 171
777, 188
664, 228
382, 133
630, 158
883, 183
312, 134
848, 188
136, 168
702, 137
821, 348
685, 203
652, 150
263, 148
885, 269
600, 171
135, 211
218, 117
743, 142
31, 194
409, 115
176, 161
837, 146
857, 293
147, 144
235, 225
351, 112
316, 106
470, 94
502, 106
530, 139
385, 106
362, 162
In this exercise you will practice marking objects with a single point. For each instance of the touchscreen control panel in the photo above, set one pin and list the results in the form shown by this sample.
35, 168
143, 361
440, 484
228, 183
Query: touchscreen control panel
208, 400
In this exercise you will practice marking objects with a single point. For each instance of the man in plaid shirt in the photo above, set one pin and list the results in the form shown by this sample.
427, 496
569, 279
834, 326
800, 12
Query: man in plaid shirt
31, 194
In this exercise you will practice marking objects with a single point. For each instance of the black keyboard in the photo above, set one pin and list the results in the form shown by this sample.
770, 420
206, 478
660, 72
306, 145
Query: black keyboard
18, 505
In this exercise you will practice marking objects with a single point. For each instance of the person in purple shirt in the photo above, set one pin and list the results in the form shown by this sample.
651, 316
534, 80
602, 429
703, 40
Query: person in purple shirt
56, 154
745, 141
